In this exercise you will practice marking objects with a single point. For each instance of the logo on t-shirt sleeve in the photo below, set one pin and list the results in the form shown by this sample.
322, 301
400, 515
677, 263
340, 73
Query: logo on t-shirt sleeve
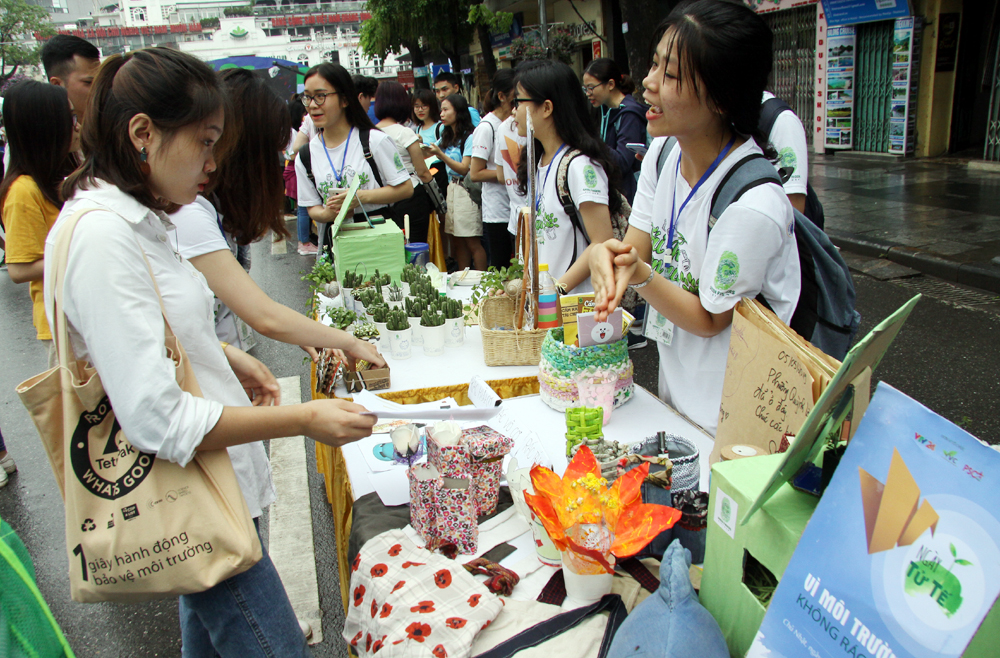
589, 176
398, 162
728, 271
787, 158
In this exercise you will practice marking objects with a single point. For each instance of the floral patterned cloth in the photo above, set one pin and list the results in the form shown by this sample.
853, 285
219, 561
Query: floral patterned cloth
441, 514
407, 601
478, 455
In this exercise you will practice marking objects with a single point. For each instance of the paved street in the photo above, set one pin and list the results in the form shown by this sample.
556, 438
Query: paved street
946, 357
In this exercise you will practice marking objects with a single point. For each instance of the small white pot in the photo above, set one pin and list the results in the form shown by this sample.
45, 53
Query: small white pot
348, 294
406, 288
433, 339
584, 590
369, 317
418, 337
454, 332
398, 304
383, 340
400, 344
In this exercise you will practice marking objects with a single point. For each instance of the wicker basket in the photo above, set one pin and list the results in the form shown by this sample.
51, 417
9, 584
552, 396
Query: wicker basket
503, 345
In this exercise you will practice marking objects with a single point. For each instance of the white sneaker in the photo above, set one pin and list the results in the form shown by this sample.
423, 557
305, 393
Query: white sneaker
3, 478
7, 464
304, 626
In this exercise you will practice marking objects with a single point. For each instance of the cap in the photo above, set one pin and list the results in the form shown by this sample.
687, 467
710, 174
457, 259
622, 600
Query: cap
543, 267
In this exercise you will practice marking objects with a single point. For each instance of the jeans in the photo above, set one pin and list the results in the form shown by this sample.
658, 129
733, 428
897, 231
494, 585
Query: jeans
246, 616
303, 225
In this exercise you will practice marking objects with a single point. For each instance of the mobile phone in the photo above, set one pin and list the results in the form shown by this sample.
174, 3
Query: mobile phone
637, 148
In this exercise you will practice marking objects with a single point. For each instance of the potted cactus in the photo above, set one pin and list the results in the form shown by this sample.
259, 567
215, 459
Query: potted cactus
432, 329
454, 325
380, 316
415, 307
393, 295
400, 334
350, 282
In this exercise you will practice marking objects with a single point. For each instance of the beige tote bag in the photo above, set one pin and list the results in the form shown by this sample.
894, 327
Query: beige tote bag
137, 527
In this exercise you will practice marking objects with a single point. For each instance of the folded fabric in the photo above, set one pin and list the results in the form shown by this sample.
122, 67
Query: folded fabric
671, 623
407, 601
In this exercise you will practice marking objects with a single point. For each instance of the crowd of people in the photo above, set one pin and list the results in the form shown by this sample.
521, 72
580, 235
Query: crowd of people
178, 169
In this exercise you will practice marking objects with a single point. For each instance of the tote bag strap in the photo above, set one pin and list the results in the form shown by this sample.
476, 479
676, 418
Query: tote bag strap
60, 335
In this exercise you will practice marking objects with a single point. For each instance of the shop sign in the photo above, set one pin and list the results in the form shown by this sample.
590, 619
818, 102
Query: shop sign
595, 46
840, 56
849, 12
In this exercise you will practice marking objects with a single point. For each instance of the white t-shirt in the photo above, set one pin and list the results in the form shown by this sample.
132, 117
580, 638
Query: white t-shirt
507, 154
115, 323
308, 127
496, 207
788, 138
751, 249
197, 232
402, 137
586, 181
383, 149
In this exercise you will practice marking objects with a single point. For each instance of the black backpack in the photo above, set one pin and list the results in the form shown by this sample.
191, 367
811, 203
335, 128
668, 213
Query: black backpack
824, 314
769, 113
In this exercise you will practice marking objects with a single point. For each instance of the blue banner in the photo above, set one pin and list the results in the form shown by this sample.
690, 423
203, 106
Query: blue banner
849, 12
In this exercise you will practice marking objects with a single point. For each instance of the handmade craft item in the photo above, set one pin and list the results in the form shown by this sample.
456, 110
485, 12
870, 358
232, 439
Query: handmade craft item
478, 452
328, 372
591, 523
519, 482
582, 423
562, 364
442, 510
406, 444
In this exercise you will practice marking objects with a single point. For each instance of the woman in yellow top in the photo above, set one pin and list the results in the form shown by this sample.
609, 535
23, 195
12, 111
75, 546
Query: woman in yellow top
39, 161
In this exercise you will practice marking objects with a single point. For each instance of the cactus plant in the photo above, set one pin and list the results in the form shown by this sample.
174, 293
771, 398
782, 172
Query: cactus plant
431, 319
380, 312
415, 306
379, 279
397, 320
395, 293
352, 279
452, 308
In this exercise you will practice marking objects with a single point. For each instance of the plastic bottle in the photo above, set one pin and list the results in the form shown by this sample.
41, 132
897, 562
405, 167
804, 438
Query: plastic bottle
548, 302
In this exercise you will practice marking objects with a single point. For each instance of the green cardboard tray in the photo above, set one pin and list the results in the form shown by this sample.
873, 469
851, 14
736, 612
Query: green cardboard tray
379, 248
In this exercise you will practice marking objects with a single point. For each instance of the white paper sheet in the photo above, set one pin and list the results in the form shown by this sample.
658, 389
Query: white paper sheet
456, 414
392, 487
528, 447
482, 395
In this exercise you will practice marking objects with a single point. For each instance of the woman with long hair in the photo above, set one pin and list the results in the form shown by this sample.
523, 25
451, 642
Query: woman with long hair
711, 60
242, 203
337, 153
144, 155
464, 221
550, 93
39, 161
623, 118
496, 207
392, 109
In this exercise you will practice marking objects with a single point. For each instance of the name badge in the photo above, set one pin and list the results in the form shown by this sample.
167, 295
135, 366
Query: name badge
657, 327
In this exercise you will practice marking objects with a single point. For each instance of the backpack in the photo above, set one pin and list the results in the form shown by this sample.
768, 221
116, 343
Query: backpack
619, 220
769, 112
474, 188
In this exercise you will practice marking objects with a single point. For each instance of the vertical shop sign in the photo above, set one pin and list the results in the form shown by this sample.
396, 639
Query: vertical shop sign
841, 50
903, 103
595, 46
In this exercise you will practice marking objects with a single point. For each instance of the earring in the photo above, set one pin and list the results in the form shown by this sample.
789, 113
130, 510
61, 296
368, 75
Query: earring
143, 165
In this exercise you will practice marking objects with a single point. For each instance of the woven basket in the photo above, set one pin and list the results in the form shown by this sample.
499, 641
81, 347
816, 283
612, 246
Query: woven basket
503, 345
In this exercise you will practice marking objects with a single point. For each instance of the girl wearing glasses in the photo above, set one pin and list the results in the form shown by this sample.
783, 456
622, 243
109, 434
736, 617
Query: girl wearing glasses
711, 61
39, 161
623, 118
337, 154
563, 126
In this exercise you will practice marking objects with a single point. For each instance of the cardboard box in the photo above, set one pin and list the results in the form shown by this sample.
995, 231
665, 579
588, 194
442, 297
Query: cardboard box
377, 248
770, 537
376, 379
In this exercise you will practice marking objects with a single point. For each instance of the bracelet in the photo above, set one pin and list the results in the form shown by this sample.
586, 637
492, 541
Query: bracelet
645, 283
224, 345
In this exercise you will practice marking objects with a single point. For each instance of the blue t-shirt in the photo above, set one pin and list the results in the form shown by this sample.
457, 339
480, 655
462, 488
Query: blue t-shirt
456, 153
475, 116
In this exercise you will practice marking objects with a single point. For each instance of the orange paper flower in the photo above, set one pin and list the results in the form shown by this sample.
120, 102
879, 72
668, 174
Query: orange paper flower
581, 496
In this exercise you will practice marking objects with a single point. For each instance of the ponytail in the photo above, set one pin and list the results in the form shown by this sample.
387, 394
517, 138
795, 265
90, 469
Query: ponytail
607, 70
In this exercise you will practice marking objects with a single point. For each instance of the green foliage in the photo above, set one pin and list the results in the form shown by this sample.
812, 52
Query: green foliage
415, 306
321, 274
494, 279
411, 274
496, 22
397, 320
431, 319
212, 22
19, 21
380, 312
562, 44
365, 330
243, 10
452, 308
395, 293
401, 24
341, 317
368, 296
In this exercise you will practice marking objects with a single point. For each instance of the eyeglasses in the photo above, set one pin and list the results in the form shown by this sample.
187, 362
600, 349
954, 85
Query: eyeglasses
517, 101
319, 98
589, 89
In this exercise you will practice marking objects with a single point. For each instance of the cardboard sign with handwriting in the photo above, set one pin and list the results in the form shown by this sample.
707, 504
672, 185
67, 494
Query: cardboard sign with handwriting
768, 390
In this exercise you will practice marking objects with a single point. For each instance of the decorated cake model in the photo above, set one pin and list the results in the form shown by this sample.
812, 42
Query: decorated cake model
562, 364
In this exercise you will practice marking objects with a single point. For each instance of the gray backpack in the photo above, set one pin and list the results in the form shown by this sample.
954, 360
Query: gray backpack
824, 314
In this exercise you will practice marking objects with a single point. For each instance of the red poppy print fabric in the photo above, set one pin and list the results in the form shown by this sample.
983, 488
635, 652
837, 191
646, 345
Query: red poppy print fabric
407, 601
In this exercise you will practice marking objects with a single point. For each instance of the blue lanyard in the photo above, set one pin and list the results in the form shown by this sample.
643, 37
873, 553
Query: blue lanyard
605, 118
343, 162
694, 190
552, 165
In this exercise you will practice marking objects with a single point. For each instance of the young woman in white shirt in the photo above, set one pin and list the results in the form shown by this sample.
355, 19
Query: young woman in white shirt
464, 221
336, 154
710, 64
392, 109
242, 203
143, 156
496, 205
551, 94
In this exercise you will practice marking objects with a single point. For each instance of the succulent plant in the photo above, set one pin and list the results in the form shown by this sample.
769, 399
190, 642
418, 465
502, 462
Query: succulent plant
397, 320
380, 312
431, 319
452, 308
341, 317
395, 293
366, 330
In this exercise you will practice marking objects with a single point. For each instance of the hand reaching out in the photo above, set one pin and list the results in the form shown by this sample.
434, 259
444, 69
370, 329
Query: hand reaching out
258, 382
337, 422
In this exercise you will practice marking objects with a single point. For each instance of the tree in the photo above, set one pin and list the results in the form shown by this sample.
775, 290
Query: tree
19, 21
487, 21
636, 14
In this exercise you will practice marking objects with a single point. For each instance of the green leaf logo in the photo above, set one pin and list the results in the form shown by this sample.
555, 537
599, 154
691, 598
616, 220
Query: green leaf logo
398, 162
590, 176
728, 271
